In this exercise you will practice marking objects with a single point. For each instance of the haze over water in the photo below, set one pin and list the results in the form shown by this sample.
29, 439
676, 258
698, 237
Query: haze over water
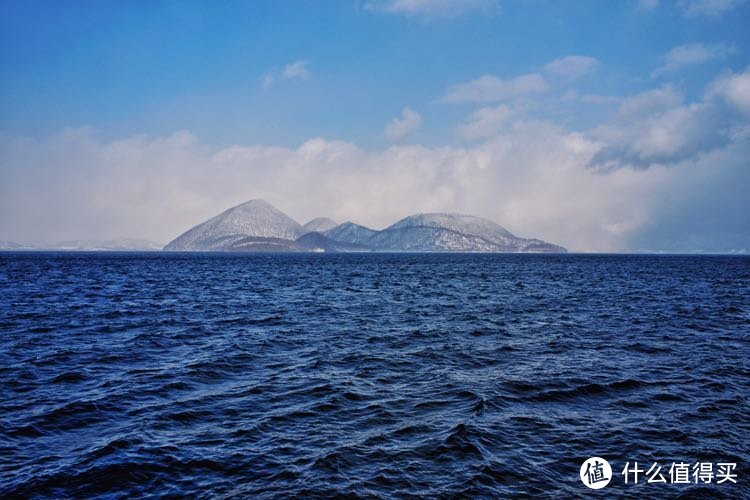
379, 375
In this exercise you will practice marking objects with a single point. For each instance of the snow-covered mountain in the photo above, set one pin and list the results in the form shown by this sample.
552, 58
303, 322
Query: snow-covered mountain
440, 232
433, 239
252, 218
258, 226
454, 233
459, 223
319, 225
349, 232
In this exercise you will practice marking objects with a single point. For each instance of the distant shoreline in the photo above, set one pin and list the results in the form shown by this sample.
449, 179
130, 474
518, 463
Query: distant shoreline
375, 252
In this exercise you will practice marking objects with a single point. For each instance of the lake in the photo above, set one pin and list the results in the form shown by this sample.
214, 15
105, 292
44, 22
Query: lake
372, 375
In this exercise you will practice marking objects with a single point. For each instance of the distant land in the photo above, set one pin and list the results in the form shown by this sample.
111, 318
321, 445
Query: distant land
117, 245
258, 226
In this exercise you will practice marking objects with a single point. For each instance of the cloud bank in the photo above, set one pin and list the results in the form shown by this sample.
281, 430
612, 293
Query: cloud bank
661, 162
532, 177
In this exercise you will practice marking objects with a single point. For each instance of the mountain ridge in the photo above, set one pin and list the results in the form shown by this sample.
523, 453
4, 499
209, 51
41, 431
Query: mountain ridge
256, 225
320, 225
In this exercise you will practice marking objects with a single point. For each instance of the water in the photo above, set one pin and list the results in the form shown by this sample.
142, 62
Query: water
371, 375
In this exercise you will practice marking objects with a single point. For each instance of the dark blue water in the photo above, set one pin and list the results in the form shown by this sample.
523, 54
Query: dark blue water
371, 375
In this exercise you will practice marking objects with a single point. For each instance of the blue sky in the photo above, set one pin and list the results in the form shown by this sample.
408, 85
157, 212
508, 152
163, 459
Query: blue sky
429, 80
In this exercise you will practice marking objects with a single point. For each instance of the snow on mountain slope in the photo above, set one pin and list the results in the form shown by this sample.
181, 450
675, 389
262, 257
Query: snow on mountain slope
432, 239
464, 224
349, 232
252, 218
453, 233
319, 225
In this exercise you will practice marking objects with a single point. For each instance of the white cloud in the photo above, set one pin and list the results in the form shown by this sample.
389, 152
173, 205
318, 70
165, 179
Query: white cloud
572, 67
485, 122
658, 128
665, 137
647, 5
490, 88
296, 70
708, 8
432, 8
651, 101
692, 53
734, 89
400, 128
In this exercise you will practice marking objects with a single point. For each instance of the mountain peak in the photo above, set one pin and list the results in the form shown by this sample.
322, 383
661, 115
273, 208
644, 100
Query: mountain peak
256, 218
350, 232
320, 225
461, 223
254, 203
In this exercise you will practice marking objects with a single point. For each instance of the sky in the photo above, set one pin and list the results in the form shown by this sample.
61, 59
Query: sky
601, 126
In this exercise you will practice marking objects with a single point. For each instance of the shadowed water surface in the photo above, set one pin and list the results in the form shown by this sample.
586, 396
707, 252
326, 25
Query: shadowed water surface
383, 375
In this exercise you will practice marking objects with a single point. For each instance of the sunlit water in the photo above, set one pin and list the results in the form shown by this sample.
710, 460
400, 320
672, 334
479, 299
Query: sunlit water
371, 375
